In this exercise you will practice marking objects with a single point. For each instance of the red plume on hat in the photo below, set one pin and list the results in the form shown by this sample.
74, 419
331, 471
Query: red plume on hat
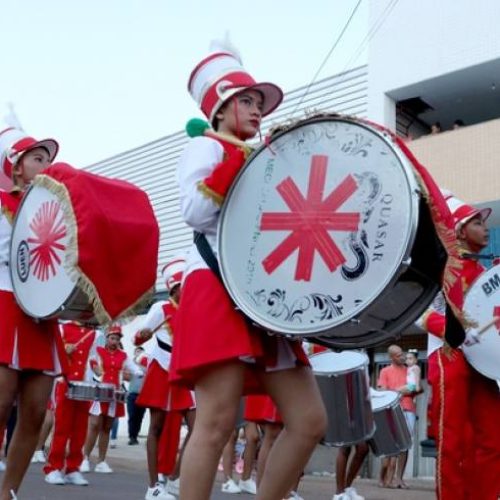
221, 75
461, 211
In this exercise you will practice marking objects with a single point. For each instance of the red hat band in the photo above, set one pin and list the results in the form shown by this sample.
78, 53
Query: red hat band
173, 272
114, 330
220, 76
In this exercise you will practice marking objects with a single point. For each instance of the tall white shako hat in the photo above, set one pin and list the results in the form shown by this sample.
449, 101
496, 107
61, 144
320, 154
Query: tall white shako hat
14, 143
221, 75
172, 272
461, 211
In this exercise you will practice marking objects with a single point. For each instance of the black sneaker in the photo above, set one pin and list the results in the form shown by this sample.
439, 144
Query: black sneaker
133, 441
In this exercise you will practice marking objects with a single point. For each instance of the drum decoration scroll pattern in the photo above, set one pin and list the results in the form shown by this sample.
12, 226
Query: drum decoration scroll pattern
343, 382
317, 226
392, 435
84, 247
482, 306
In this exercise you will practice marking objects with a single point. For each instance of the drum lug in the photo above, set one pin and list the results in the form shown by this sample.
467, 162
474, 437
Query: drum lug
355, 321
406, 264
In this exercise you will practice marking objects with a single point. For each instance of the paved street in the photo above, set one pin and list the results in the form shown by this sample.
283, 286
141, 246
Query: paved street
129, 483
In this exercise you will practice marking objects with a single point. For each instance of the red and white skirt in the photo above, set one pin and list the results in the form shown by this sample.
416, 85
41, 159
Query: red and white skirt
209, 331
156, 388
26, 344
261, 410
113, 409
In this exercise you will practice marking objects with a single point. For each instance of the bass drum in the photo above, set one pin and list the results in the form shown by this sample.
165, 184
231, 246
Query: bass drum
482, 305
324, 235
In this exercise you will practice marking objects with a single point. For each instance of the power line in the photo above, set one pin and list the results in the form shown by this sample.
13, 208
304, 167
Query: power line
328, 55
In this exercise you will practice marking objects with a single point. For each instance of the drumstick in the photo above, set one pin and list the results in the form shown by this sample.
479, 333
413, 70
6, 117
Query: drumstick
197, 127
86, 336
489, 325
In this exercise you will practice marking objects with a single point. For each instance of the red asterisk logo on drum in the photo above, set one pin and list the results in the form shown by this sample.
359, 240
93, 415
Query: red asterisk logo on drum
310, 219
48, 228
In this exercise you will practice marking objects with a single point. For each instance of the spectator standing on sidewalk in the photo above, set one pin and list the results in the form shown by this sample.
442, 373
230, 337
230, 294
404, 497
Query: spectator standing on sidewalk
135, 412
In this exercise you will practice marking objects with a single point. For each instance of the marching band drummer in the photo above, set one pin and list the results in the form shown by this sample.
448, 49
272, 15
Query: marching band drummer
109, 363
28, 357
156, 393
465, 404
71, 415
215, 350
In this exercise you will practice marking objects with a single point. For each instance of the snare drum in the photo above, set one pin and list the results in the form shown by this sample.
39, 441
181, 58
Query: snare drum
67, 255
81, 391
121, 396
324, 234
343, 383
105, 393
482, 304
392, 435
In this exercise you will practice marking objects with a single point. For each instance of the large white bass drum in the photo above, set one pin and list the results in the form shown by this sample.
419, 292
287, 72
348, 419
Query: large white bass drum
324, 235
482, 305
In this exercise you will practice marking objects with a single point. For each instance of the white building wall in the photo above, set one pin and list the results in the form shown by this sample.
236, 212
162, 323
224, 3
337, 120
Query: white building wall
421, 40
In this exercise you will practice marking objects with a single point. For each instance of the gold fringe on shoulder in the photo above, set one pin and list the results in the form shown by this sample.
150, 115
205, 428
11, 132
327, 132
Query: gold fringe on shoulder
210, 193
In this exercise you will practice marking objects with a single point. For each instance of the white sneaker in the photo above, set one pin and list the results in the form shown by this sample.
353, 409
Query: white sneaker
157, 492
352, 494
294, 496
248, 486
54, 477
103, 468
85, 465
112, 444
75, 478
2, 466
341, 496
38, 457
173, 486
230, 487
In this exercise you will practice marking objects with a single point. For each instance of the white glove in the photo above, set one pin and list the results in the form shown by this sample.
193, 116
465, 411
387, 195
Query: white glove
472, 338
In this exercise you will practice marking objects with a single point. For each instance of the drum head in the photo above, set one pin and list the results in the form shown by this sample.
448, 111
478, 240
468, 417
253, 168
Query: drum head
383, 399
39, 246
316, 226
330, 363
482, 304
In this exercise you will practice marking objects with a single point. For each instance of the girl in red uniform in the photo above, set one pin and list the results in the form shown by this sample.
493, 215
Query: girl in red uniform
28, 359
465, 404
216, 351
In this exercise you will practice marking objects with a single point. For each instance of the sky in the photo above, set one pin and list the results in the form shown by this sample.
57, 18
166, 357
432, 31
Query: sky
105, 76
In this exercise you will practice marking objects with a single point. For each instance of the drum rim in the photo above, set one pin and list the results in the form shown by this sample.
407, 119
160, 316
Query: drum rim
364, 364
467, 349
415, 194
391, 404
75, 290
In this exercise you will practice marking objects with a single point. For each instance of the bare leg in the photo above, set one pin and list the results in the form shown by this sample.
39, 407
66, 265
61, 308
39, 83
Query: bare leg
34, 392
400, 469
48, 423
218, 394
361, 451
190, 418
271, 432
228, 456
251, 442
297, 397
95, 424
391, 469
341, 468
154, 433
104, 437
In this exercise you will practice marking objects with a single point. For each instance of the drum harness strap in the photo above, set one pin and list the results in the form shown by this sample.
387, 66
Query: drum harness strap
207, 254
163, 345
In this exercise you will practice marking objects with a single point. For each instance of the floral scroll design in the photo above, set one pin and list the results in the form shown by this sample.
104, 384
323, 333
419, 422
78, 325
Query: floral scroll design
321, 306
